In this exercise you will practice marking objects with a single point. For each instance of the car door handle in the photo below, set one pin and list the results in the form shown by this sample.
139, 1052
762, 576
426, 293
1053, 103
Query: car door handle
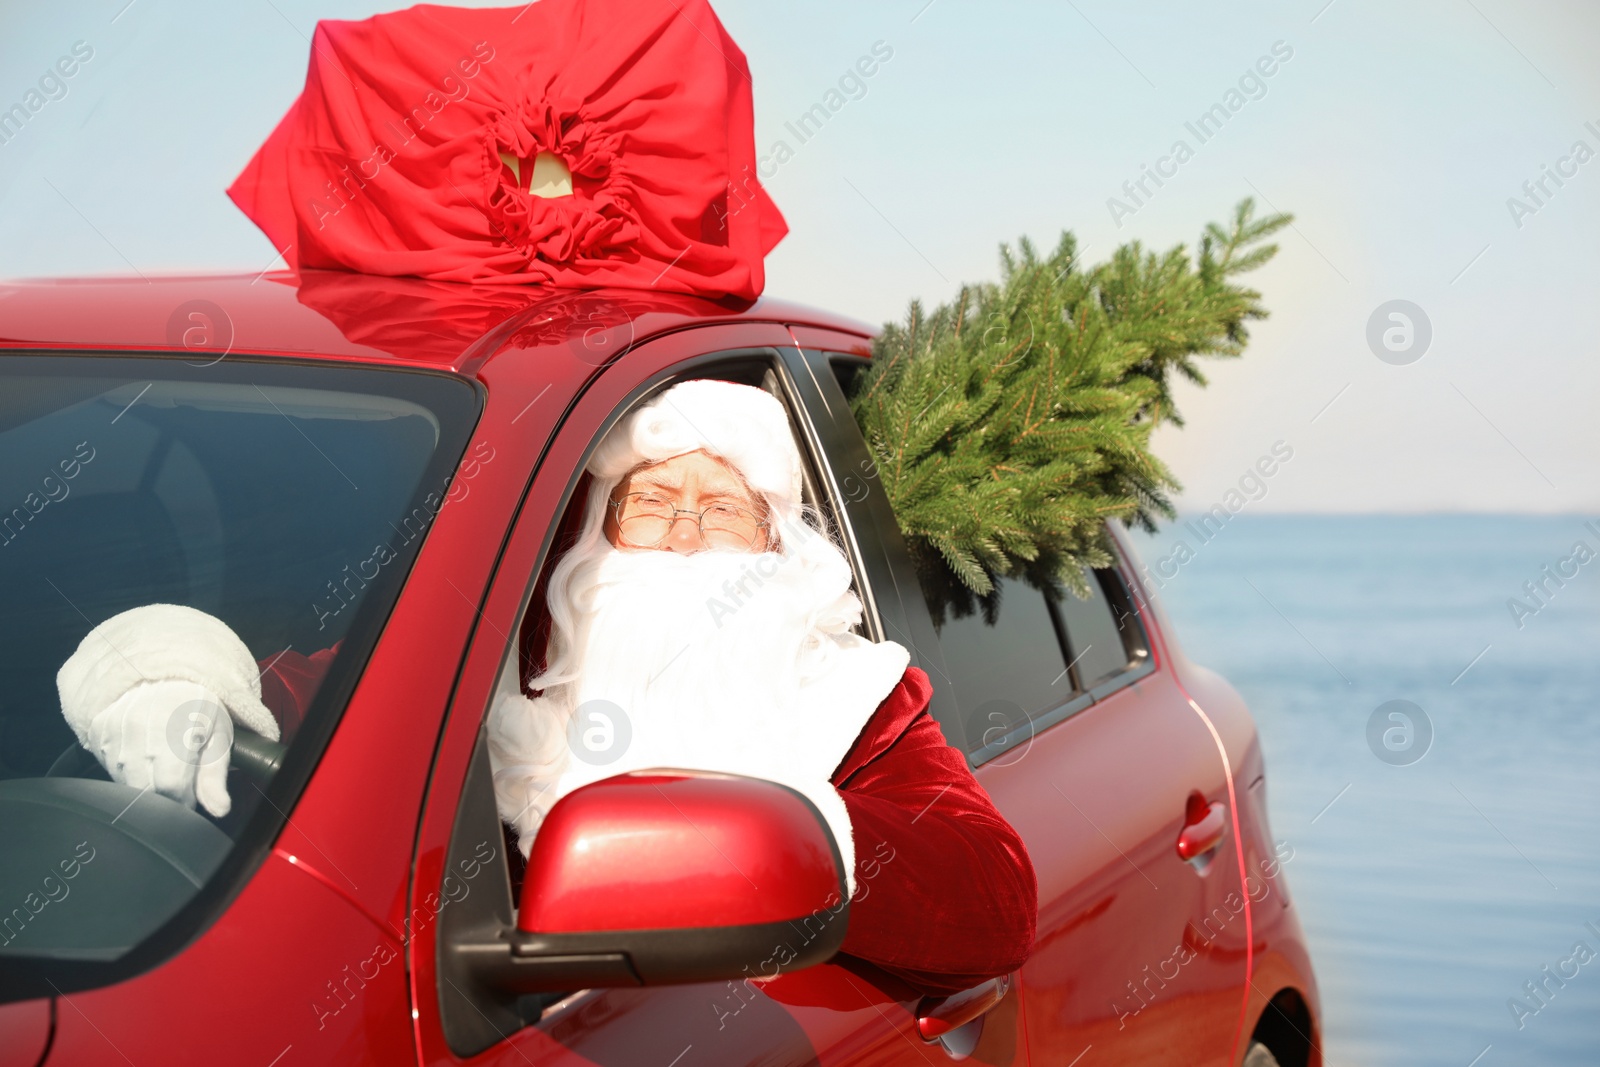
1202, 836
937, 1016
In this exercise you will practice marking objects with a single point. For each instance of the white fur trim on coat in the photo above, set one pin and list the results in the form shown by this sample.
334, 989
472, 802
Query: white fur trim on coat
162, 643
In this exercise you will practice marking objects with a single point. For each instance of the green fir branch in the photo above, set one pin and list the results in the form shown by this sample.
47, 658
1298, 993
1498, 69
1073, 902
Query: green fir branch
1010, 424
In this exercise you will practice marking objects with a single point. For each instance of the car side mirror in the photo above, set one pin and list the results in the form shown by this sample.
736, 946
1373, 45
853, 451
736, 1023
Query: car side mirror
659, 877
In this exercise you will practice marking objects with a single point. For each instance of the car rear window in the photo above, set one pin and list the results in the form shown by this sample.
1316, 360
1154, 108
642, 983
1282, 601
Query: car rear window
286, 500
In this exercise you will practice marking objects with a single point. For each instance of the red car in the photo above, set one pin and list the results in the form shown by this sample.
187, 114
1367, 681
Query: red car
376, 472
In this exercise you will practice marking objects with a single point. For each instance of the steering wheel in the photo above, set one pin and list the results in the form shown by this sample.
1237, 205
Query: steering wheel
252, 755
128, 858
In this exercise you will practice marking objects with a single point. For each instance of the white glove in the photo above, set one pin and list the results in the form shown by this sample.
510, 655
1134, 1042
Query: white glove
154, 693
171, 737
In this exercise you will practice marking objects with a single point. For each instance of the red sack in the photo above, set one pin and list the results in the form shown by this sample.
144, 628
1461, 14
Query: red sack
413, 147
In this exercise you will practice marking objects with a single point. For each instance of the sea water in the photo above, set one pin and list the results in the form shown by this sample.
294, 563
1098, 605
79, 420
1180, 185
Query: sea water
1449, 887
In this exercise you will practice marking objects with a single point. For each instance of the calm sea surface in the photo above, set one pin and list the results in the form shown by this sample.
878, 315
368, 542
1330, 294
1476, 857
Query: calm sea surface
1431, 891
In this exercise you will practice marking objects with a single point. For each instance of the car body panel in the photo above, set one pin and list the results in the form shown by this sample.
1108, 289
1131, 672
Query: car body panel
1115, 901
25, 1027
1279, 958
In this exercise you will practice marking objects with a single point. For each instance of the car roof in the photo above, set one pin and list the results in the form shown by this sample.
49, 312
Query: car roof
344, 316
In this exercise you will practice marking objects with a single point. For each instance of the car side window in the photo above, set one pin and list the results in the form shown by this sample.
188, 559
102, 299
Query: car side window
599, 733
1006, 666
533, 631
1033, 657
1027, 657
1101, 641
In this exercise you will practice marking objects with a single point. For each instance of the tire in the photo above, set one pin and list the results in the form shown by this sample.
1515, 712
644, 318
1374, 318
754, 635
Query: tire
1259, 1055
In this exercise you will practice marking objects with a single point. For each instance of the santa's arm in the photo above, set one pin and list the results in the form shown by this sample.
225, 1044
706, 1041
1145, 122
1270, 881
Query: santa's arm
945, 893
288, 682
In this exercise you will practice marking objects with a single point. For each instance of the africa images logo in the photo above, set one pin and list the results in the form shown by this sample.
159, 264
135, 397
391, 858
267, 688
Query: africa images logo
1251, 85
346, 589
1399, 732
1399, 332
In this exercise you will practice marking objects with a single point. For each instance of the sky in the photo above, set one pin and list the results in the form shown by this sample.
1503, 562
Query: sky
1400, 136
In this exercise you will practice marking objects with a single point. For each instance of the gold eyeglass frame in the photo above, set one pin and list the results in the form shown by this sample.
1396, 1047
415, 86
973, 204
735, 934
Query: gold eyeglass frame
762, 525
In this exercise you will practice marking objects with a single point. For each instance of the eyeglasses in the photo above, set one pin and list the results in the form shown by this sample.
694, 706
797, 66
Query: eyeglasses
645, 519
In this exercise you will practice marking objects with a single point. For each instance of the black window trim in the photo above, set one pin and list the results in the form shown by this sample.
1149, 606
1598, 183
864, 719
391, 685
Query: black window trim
816, 439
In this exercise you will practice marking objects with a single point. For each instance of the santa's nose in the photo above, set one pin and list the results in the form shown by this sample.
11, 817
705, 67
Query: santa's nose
684, 536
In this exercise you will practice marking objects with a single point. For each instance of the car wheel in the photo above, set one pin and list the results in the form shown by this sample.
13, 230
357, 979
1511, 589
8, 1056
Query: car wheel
1259, 1055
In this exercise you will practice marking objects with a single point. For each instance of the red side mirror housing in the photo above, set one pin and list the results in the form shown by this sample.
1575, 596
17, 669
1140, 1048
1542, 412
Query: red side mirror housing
658, 877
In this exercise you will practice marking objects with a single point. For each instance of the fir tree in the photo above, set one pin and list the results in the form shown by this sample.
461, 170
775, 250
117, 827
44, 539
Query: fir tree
1011, 424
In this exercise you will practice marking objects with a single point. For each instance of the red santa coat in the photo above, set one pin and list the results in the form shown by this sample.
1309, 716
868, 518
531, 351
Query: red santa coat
956, 901
945, 892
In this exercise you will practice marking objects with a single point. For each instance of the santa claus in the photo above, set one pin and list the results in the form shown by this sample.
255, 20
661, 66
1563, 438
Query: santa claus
702, 619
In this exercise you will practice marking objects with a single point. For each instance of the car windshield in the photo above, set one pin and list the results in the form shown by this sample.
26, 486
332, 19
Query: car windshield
156, 517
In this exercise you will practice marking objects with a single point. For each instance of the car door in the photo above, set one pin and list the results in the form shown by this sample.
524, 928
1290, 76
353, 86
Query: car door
1078, 731
1141, 954
843, 1011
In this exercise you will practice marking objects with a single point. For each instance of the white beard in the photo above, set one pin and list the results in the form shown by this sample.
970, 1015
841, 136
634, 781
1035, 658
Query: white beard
765, 680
